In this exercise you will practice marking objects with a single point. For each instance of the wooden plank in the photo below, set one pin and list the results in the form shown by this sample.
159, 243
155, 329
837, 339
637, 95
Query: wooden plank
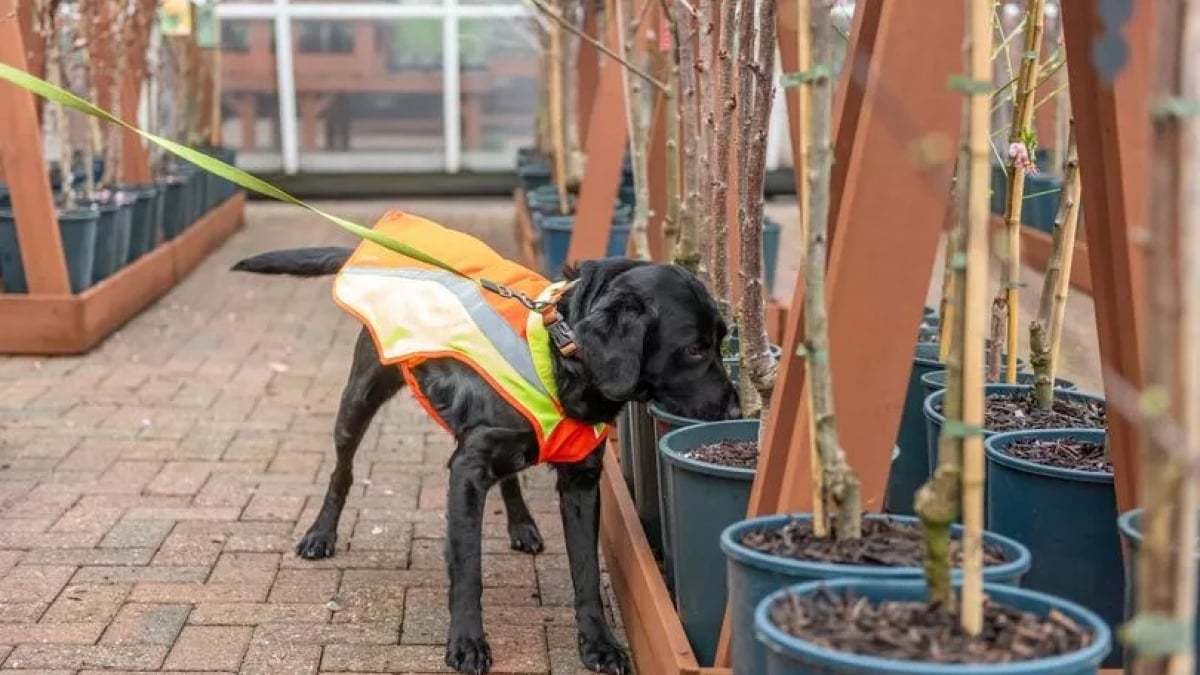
587, 69
655, 634
67, 324
1114, 142
25, 172
195, 243
607, 138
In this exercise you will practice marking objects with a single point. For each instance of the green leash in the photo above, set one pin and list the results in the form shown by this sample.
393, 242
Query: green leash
233, 174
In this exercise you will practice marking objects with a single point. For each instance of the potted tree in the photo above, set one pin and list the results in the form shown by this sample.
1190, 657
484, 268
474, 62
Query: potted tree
859, 625
767, 552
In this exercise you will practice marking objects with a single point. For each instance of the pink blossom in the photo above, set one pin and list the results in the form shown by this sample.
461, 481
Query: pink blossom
1018, 152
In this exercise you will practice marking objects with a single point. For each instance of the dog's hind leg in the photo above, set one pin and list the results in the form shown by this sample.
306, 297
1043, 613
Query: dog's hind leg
523, 532
369, 386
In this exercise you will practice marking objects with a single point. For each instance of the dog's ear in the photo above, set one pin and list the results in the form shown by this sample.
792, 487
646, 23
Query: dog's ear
611, 339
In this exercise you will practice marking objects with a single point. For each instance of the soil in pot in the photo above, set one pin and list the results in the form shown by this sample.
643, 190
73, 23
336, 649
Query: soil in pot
1061, 453
736, 454
1017, 411
918, 631
885, 543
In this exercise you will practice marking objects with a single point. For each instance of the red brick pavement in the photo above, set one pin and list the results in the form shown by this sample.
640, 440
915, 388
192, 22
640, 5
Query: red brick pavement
151, 493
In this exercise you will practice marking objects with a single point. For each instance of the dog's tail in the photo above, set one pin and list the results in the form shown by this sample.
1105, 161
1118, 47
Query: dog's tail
298, 262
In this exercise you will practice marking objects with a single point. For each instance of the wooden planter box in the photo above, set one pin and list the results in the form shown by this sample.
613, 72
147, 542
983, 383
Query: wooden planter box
74, 324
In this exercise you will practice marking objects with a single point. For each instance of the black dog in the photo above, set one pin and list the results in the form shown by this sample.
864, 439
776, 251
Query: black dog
645, 332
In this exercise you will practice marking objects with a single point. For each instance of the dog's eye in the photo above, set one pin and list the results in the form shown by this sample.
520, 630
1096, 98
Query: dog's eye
695, 351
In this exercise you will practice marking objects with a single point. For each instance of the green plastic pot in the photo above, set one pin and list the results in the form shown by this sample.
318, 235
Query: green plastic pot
146, 208
1130, 527
753, 575
699, 501
934, 419
788, 655
909, 470
5, 201
78, 232
645, 475
1067, 518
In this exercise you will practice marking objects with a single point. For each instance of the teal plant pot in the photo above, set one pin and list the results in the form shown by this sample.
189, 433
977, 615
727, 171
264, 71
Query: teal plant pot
909, 470
770, 239
556, 240
645, 477
146, 209
664, 423
788, 655
1067, 518
1042, 197
176, 209
753, 575
78, 232
625, 441
934, 419
1130, 527
936, 381
112, 235
699, 501
5, 200
534, 174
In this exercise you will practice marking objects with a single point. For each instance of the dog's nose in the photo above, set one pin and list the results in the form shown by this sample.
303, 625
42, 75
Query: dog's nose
733, 410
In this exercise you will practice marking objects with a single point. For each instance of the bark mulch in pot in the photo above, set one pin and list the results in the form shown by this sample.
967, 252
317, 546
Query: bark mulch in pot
1061, 453
885, 543
1018, 412
734, 454
918, 631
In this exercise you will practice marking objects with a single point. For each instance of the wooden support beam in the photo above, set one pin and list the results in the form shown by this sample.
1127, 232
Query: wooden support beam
1114, 142
879, 272
25, 172
587, 69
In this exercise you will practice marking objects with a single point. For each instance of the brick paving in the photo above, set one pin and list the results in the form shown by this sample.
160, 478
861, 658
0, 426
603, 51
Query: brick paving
151, 493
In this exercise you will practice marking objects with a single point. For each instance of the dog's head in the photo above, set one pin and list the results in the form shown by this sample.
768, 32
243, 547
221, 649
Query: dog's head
651, 332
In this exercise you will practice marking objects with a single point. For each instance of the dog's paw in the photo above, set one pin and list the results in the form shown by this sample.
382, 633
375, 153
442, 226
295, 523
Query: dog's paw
526, 537
317, 545
470, 655
604, 655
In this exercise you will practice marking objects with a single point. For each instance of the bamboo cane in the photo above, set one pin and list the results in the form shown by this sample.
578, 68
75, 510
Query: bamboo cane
1021, 150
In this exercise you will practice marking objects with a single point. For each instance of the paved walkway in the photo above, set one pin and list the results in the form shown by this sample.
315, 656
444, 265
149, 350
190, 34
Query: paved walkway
151, 493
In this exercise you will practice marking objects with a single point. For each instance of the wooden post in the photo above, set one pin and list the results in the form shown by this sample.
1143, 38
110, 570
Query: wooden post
1113, 133
25, 172
587, 69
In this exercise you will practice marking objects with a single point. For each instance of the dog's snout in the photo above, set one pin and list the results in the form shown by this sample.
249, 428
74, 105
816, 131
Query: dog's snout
733, 411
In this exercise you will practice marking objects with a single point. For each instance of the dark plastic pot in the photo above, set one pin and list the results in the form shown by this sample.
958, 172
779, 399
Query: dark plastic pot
144, 224
733, 364
645, 476
699, 501
909, 468
78, 231
1130, 527
1042, 197
787, 655
753, 576
625, 441
770, 239
112, 235
176, 209
556, 239
934, 419
663, 423
5, 202
534, 174
936, 381
1067, 518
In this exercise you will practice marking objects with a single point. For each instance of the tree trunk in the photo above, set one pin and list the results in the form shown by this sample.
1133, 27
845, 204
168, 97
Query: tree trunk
685, 26
673, 220
841, 483
638, 119
707, 93
720, 166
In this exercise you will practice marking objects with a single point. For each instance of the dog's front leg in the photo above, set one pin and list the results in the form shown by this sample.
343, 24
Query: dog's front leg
579, 501
471, 475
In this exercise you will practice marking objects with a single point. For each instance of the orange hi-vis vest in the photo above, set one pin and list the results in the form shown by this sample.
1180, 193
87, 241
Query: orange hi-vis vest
415, 311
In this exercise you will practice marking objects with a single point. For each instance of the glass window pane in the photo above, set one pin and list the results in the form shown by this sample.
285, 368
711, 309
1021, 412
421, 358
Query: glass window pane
250, 93
499, 66
369, 95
